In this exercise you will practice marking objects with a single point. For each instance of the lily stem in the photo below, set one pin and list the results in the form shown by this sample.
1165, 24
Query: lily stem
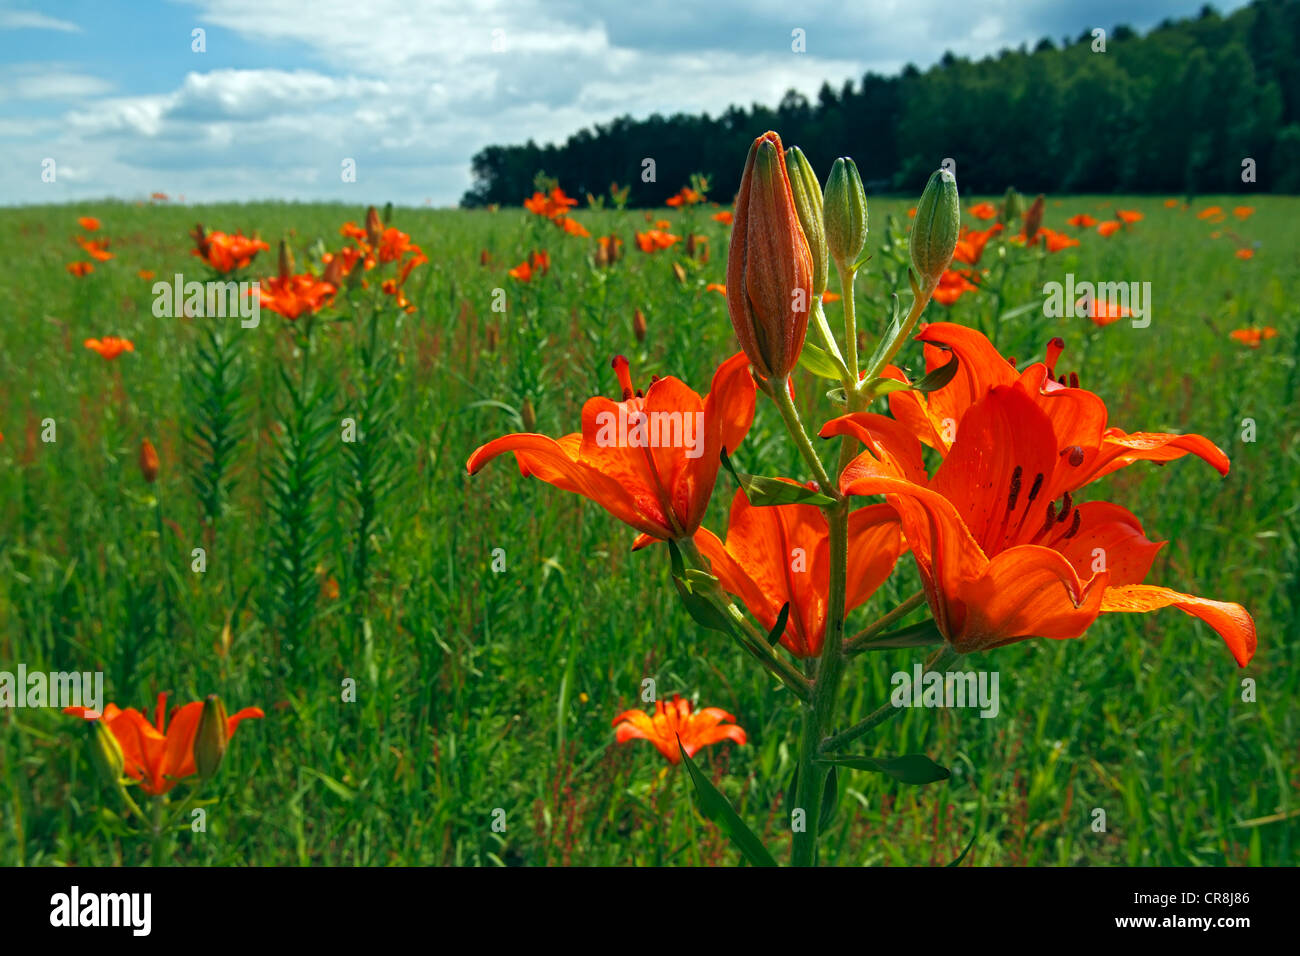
779, 392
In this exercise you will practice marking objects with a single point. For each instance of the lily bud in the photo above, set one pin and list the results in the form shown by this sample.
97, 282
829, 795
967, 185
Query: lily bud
106, 753
333, 273
807, 194
374, 228
638, 325
528, 415
148, 461
769, 265
1011, 205
935, 230
286, 260
1034, 219
211, 738
846, 213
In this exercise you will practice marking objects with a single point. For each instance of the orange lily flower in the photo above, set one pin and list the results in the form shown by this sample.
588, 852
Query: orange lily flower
984, 210
687, 197
1243, 212
828, 297
1108, 229
1253, 337
1171, 203
717, 287
88, 223
1102, 313
1082, 220
970, 245
1245, 253
953, 284
1056, 241
110, 346
655, 239
1089, 448
675, 721
780, 554
226, 253
146, 274
1129, 215
95, 248
572, 227
999, 561
523, 272
725, 217
159, 755
661, 488
291, 296
551, 205
1209, 212
80, 269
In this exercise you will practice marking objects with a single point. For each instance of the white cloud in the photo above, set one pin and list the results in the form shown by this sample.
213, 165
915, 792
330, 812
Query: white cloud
31, 20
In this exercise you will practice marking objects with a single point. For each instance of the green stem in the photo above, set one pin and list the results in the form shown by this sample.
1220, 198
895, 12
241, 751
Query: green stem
847, 275
158, 837
920, 300
939, 659
779, 392
854, 644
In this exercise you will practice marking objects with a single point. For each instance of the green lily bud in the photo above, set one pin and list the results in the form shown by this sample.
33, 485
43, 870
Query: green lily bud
211, 738
938, 222
845, 206
807, 194
1034, 219
106, 753
1010, 205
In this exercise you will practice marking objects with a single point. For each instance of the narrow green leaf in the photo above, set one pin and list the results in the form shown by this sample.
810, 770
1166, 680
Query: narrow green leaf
965, 851
716, 807
778, 628
763, 491
909, 768
830, 799
819, 362
923, 634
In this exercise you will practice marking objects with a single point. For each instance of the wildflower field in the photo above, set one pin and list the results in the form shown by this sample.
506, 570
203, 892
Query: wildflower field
428, 665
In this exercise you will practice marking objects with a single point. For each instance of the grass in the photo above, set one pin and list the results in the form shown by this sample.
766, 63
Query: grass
478, 691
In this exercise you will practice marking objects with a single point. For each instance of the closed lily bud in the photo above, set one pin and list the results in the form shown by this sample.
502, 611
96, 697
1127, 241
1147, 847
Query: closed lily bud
845, 212
1011, 205
286, 260
638, 325
333, 273
1034, 219
528, 415
807, 194
148, 461
934, 232
374, 228
106, 753
680, 273
769, 265
211, 737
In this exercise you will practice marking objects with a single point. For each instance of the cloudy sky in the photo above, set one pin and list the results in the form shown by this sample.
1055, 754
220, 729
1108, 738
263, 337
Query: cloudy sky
115, 93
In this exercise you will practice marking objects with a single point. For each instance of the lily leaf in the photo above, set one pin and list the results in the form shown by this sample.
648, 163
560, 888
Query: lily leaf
892, 332
716, 807
909, 768
772, 491
819, 362
700, 609
830, 799
965, 851
923, 634
778, 629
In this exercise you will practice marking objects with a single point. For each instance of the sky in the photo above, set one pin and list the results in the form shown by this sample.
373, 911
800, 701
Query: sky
284, 93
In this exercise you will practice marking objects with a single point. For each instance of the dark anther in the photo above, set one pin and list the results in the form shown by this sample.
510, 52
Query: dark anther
1074, 380
1066, 503
1074, 525
1038, 483
1075, 453
1015, 489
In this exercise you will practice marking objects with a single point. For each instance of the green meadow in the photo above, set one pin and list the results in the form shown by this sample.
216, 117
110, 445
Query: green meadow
436, 654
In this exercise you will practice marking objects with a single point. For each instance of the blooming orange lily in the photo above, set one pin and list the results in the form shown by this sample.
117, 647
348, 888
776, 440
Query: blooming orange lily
655, 239
80, 269
158, 755
651, 459
110, 346
294, 295
226, 253
1000, 561
1253, 337
984, 210
953, 284
674, 721
88, 223
1109, 228
1082, 220
780, 554
970, 245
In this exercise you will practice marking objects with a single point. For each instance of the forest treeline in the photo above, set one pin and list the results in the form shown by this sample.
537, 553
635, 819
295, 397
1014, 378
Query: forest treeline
1175, 110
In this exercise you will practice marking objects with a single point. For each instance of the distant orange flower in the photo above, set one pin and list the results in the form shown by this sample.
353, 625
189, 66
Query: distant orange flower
1101, 312
687, 197
1253, 337
292, 296
1243, 212
1171, 203
523, 272
984, 210
953, 284
226, 253
572, 227
675, 721
146, 274
88, 223
911, 213
159, 197
1109, 228
725, 217
1210, 212
828, 297
394, 244
148, 461
110, 346
716, 287
655, 239
95, 248
550, 205
1056, 241
1129, 215
1083, 221
1244, 253
663, 224
80, 268
970, 245
159, 755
